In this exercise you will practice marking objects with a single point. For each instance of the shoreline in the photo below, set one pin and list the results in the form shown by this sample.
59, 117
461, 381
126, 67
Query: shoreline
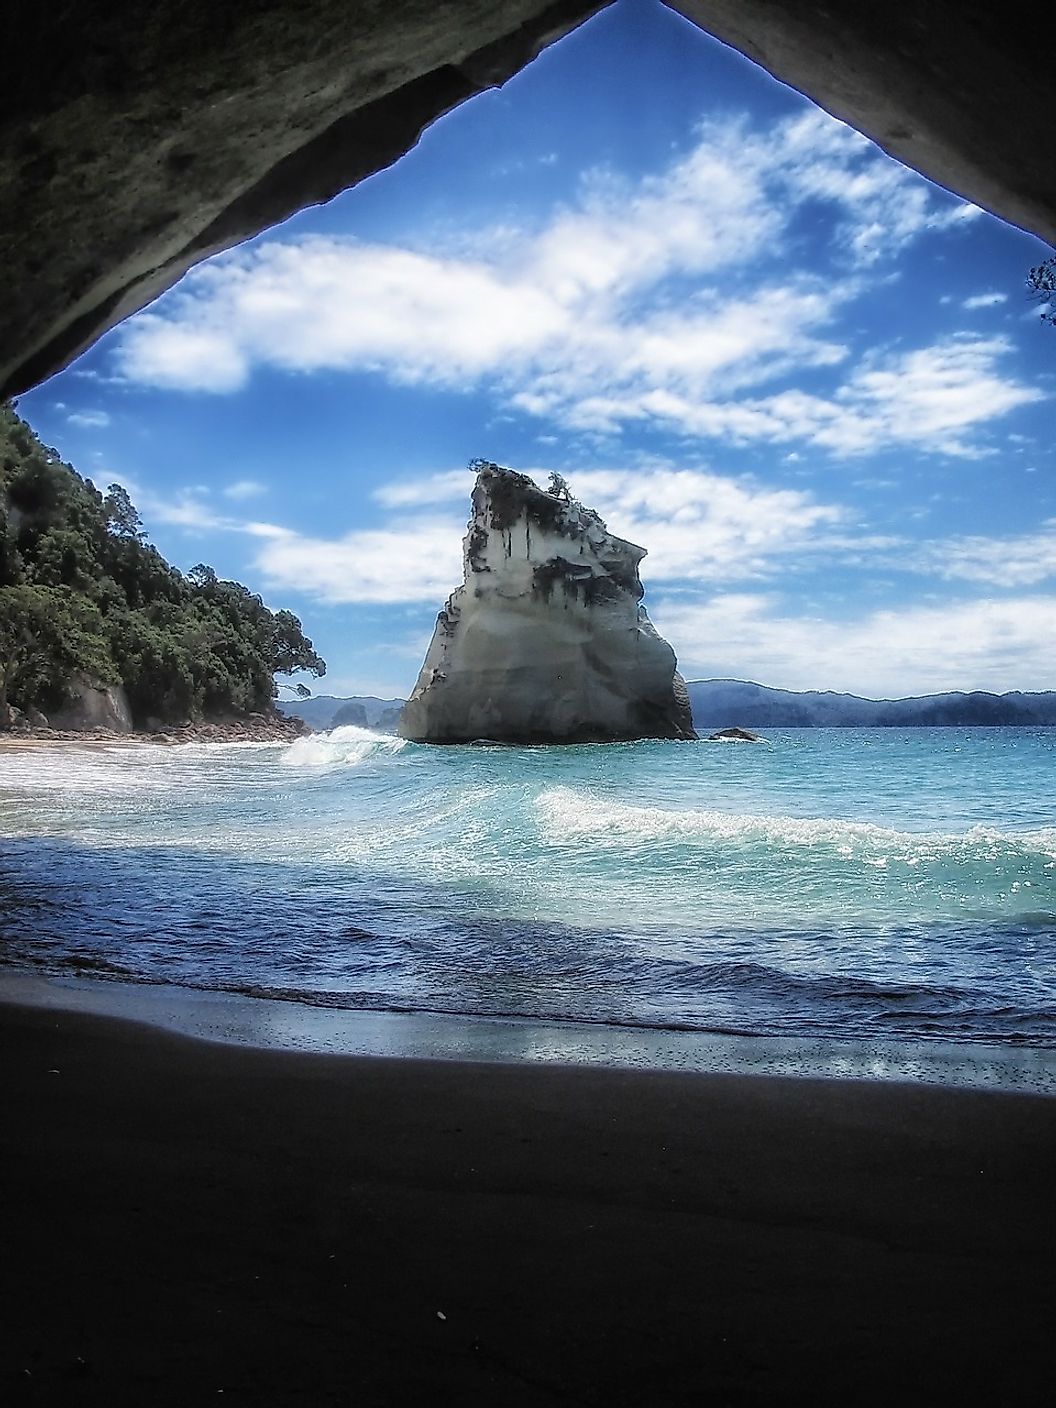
189, 1219
285, 1025
252, 729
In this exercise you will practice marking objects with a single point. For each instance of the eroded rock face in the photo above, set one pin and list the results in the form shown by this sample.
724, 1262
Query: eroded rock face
92, 705
547, 640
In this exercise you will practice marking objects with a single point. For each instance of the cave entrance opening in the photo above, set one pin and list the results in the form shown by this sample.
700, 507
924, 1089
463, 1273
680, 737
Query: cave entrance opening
763, 350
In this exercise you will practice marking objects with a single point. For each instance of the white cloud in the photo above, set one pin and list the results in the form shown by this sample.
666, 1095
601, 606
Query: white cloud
416, 560
1021, 560
996, 645
89, 420
261, 530
700, 526
407, 560
190, 510
244, 489
931, 398
433, 489
985, 300
186, 510
656, 300
695, 524
156, 350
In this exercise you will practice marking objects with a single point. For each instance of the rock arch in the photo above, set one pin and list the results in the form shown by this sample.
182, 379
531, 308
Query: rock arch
137, 140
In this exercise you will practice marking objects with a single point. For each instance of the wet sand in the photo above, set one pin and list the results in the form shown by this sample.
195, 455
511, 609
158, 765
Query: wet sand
187, 1222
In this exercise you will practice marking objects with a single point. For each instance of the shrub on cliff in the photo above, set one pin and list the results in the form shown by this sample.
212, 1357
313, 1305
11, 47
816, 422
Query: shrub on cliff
81, 590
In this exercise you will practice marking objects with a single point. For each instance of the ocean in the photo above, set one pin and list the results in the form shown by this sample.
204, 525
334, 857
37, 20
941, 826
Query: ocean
844, 884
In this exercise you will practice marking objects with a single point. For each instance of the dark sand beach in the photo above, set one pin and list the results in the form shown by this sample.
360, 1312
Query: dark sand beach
186, 1222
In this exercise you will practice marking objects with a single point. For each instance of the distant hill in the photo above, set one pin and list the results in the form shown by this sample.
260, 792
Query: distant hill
729, 703
322, 711
740, 703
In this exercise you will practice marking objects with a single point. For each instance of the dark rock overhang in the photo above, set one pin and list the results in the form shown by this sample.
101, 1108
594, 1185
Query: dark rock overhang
136, 140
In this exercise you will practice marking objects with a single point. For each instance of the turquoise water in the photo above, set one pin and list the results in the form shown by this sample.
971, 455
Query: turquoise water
839, 883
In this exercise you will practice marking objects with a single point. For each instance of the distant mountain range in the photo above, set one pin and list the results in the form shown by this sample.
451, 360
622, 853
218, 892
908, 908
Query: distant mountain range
327, 711
740, 703
728, 703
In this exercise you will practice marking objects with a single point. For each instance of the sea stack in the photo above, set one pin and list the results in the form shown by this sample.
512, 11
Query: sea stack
546, 641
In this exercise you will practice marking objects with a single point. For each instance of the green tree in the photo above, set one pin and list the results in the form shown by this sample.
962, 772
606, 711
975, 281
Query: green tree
64, 558
46, 634
157, 669
121, 515
202, 577
95, 596
292, 650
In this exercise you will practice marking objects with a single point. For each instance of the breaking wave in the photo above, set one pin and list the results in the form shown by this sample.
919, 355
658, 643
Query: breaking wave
836, 885
570, 816
345, 747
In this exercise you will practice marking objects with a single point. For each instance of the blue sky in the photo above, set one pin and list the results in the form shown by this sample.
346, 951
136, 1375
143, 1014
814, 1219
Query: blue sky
810, 383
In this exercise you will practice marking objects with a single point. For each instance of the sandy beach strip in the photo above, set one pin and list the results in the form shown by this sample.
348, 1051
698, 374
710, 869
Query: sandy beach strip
92, 987
189, 1222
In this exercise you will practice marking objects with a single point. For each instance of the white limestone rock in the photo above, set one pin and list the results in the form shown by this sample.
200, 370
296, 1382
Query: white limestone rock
546, 641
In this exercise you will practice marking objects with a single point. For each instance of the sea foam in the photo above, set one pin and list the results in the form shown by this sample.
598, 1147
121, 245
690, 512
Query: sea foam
348, 746
570, 816
842, 884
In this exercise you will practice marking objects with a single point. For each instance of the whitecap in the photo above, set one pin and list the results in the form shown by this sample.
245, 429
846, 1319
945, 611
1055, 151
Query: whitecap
348, 746
568, 816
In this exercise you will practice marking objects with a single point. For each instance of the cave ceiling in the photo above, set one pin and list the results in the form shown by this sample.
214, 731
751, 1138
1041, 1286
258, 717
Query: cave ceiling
137, 140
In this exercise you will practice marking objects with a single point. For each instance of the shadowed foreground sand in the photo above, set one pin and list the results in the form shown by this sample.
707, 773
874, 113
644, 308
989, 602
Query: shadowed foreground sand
182, 1219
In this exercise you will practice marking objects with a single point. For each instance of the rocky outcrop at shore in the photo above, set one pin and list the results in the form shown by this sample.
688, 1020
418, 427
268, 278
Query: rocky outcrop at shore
546, 641
254, 728
93, 705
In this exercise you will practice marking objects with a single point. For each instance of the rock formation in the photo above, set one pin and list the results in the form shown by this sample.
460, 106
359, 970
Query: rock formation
93, 705
353, 713
546, 640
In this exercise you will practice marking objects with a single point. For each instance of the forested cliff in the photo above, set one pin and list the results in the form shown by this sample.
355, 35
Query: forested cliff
82, 593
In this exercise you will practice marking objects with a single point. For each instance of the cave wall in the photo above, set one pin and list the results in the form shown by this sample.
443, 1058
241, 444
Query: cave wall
957, 89
137, 139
